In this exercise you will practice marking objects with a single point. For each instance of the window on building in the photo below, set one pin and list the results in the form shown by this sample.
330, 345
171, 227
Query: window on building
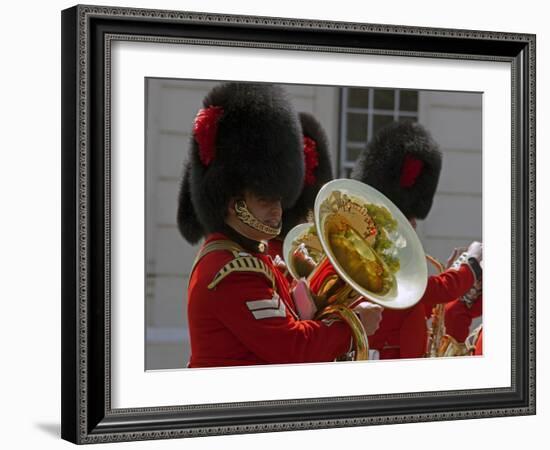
364, 111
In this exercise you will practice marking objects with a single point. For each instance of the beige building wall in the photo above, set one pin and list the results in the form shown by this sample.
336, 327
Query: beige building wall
455, 121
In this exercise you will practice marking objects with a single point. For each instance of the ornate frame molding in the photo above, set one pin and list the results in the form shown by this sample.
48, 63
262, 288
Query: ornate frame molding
87, 420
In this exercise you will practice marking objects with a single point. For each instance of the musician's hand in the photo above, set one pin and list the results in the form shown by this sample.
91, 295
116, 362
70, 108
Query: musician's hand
279, 263
303, 300
370, 315
302, 262
475, 250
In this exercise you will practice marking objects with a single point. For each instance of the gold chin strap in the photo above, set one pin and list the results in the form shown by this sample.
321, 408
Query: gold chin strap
246, 217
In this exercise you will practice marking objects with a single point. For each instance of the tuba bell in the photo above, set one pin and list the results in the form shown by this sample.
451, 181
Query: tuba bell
360, 247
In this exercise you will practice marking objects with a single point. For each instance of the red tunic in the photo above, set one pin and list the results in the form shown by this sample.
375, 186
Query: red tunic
402, 333
458, 318
275, 247
244, 320
479, 345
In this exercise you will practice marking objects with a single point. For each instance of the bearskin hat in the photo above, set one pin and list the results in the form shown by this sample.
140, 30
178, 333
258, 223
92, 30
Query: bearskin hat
188, 224
318, 171
246, 137
403, 162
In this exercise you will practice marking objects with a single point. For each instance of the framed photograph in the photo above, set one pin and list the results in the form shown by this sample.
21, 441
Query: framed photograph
133, 81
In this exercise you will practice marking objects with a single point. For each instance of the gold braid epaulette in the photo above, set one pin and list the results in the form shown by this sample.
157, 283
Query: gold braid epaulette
243, 264
216, 246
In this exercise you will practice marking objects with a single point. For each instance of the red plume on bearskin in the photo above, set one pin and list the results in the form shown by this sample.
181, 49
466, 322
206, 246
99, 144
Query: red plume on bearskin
412, 167
318, 171
311, 160
205, 130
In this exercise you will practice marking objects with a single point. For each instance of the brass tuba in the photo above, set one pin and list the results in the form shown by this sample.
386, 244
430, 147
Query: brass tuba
439, 343
360, 247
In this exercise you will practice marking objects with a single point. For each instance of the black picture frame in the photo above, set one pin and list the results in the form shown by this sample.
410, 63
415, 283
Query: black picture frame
87, 33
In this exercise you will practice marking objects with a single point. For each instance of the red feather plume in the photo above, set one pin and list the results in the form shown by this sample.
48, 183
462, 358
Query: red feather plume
205, 130
410, 171
311, 160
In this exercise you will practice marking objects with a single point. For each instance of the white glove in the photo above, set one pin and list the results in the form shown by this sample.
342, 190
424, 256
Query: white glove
475, 250
370, 316
473, 257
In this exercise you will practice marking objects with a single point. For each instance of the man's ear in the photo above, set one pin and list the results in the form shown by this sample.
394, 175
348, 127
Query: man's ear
231, 207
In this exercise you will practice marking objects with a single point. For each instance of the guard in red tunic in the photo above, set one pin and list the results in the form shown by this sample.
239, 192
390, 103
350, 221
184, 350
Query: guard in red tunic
245, 165
318, 172
404, 163
459, 315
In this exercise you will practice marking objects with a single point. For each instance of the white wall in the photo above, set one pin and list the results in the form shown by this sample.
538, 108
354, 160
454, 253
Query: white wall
455, 220
30, 226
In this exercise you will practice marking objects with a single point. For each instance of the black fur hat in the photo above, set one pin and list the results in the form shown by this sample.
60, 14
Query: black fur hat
246, 137
318, 171
188, 224
403, 162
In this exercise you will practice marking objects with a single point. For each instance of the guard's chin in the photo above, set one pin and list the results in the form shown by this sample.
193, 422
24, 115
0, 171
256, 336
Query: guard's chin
274, 224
